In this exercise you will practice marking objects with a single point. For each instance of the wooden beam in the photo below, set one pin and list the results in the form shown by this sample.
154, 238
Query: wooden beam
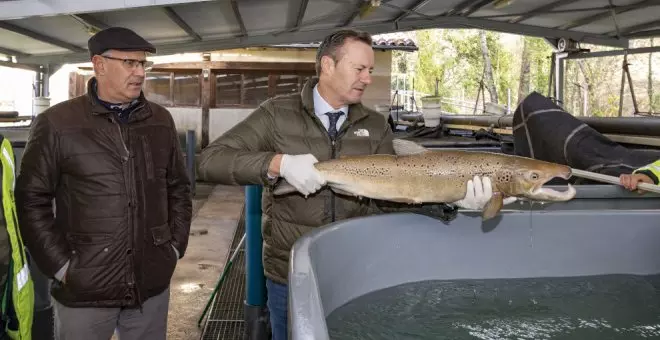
619, 138
506, 131
240, 66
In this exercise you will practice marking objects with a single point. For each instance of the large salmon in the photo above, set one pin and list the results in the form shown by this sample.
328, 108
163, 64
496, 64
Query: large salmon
419, 175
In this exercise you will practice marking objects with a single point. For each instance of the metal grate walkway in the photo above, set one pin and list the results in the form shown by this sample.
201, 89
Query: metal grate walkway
226, 320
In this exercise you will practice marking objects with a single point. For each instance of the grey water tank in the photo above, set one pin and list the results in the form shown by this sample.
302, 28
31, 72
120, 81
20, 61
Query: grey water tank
604, 230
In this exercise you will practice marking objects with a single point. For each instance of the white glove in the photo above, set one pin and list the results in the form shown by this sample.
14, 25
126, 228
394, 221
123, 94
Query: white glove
300, 172
479, 192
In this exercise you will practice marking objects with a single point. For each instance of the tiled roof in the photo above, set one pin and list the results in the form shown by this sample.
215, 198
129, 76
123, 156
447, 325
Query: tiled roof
390, 41
394, 39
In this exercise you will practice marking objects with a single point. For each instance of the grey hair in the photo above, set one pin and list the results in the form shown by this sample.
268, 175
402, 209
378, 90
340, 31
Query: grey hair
333, 43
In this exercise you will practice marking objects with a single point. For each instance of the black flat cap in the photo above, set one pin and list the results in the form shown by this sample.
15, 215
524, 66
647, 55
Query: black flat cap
118, 38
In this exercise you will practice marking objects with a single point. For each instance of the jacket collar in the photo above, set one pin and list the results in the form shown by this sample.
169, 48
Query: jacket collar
356, 112
140, 110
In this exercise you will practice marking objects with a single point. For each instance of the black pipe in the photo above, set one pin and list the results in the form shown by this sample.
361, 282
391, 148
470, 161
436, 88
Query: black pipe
640, 126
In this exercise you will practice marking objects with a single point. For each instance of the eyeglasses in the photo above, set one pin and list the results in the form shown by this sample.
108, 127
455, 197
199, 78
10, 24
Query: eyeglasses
131, 64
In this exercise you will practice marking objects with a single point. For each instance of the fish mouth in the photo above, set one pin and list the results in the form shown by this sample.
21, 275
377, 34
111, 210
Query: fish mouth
548, 194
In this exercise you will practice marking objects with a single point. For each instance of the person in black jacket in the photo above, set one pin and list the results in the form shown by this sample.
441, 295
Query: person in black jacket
113, 163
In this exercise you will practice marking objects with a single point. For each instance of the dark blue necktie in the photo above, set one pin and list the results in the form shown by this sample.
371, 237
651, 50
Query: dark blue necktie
332, 128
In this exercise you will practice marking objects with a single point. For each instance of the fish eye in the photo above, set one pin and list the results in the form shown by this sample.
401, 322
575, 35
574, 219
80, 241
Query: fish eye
534, 176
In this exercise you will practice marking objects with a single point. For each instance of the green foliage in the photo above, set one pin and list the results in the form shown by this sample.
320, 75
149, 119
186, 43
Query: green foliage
434, 61
655, 102
455, 58
540, 61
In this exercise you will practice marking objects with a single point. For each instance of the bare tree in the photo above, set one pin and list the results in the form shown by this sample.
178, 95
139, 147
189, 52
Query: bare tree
523, 87
586, 88
650, 80
489, 80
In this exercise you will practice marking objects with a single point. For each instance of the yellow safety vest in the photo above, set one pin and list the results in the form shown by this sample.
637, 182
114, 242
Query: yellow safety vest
18, 299
652, 170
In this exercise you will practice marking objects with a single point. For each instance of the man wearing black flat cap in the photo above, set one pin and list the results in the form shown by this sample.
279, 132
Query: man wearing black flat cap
111, 162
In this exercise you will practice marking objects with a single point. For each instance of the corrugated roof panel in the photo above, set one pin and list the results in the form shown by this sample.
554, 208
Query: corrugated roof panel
218, 27
27, 45
151, 23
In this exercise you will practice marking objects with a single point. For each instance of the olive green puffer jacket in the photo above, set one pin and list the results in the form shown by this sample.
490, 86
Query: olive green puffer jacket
288, 125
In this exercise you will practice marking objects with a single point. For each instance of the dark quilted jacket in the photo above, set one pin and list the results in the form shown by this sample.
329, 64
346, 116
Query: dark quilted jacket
122, 199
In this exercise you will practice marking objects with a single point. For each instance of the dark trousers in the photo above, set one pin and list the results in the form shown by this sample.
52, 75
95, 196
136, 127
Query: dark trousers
278, 295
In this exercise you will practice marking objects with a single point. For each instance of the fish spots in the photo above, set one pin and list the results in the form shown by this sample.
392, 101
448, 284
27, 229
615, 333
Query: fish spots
370, 169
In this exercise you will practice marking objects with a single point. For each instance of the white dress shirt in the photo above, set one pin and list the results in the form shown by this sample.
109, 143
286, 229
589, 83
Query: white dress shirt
321, 107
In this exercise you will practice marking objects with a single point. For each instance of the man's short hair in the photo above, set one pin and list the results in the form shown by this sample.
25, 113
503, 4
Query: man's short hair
333, 43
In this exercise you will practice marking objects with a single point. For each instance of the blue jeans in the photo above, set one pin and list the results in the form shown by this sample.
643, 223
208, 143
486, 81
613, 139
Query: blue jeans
278, 297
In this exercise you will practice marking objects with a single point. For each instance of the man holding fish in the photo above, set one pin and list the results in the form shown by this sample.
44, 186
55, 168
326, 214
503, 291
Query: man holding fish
279, 146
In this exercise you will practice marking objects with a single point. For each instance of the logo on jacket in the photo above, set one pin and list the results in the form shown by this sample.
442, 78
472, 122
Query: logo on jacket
362, 133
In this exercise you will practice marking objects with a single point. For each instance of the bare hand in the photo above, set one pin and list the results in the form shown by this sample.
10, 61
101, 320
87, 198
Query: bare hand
630, 181
274, 166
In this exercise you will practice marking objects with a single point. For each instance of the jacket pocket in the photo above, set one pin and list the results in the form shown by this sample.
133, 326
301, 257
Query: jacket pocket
90, 249
160, 258
91, 262
161, 234
161, 237
89, 238
148, 159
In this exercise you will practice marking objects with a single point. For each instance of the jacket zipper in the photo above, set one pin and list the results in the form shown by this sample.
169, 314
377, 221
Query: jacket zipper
123, 143
129, 192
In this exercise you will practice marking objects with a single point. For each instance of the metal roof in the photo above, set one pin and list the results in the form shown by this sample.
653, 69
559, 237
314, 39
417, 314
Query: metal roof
56, 31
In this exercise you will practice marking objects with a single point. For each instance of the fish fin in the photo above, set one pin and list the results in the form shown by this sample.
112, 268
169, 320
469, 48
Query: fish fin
283, 188
406, 147
493, 206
